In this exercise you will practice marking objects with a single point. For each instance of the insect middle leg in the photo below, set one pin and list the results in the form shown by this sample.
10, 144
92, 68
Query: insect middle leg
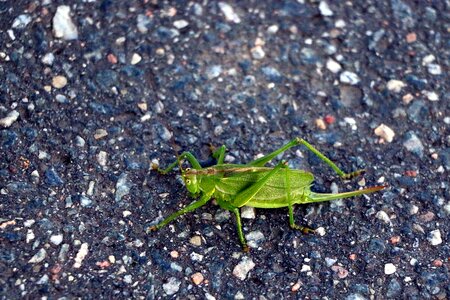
226, 205
287, 184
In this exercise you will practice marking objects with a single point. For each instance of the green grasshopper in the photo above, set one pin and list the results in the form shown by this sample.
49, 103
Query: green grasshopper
255, 185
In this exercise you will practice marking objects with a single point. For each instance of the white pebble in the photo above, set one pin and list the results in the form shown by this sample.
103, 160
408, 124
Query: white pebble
432, 96
257, 52
9, 119
63, 27
171, 286
333, 66
428, 59
243, 267
56, 239
325, 9
21, 21
102, 158
229, 13
434, 69
135, 59
395, 85
305, 268
84, 249
247, 212
48, 59
38, 257
349, 78
389, 269
435, 237
385, 132
180, 24
254, 238
383, 216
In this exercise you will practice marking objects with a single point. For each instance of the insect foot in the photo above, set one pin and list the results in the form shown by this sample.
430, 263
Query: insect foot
353, 174
152, 228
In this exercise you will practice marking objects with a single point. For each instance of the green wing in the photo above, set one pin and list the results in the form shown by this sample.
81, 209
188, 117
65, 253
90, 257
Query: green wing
272, 195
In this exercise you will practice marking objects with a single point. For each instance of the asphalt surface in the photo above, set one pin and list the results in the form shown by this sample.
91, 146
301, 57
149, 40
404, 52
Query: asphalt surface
94, 94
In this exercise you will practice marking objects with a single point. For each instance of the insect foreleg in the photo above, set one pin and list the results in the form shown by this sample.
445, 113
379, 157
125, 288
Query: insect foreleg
185, 155
193, 206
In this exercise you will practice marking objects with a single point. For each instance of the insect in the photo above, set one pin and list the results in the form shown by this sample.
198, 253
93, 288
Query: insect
254, 184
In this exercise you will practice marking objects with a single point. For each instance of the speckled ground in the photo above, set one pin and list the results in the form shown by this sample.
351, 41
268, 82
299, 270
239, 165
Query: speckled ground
95, 93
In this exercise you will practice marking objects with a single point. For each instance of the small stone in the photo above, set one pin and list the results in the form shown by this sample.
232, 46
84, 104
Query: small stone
320, 123
112, 58
79, 141
213, 71
435, 237
320, 231
383, 216
63, 27
395, 85
305, 268
81, 254
48, 59
243, 267
239, 296
432, 96
58, 82
9, 119
180, 24
434, 69
273, 29
428, 59
174, 254
325, 9
333, 66
38, 257
407, 98
229, 13
102, 158
272, 74
197, 278
100, 133
171, 286
413, 144
56, 239
123, 187
143, 23
330, 261
85, 201
196, 257
349, 78
257, 52
340, 271
389, 269
254, 238
394, 289
21, 21
196, 240
411, 37
135, 59
296, 287
385, 132
437, 263
248, 212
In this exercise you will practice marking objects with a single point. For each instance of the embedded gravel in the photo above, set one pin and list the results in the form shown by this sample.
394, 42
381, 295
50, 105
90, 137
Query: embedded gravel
95, 93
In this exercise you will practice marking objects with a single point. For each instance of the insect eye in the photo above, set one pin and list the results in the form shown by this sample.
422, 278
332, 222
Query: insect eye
188, 181
187, 169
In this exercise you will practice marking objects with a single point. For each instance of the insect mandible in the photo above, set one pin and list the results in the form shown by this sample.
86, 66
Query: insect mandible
253, 184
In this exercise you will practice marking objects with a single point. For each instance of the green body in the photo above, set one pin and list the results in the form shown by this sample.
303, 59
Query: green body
227, 181
255, 185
